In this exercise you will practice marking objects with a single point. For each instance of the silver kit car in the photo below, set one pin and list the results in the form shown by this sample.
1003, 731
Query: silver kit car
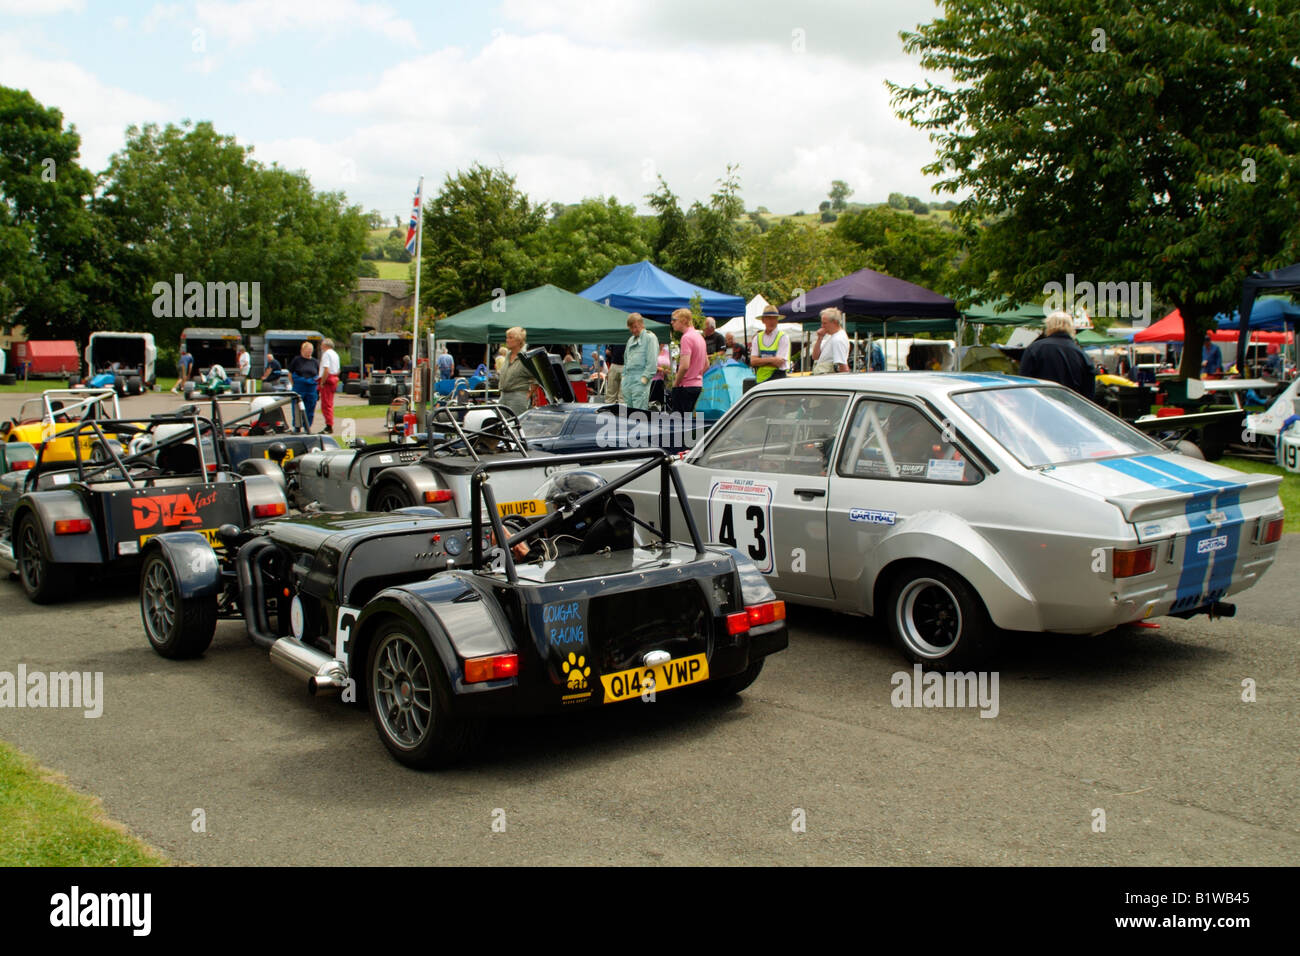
954, 506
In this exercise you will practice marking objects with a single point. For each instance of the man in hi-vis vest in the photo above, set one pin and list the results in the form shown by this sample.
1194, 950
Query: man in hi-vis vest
769, 353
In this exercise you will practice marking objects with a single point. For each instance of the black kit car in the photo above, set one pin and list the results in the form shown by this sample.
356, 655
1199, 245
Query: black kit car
441, 622
59, 520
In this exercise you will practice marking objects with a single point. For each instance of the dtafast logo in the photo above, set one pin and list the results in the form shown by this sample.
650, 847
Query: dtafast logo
170, 511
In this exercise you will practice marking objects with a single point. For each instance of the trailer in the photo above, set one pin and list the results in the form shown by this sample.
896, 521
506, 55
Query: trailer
129, 357
55, 358
211, 347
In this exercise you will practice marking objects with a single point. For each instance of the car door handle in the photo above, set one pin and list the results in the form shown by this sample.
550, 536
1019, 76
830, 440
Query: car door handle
810, 492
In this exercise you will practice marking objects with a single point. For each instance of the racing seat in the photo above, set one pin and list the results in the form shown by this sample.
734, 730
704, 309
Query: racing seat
614, 530
179, 459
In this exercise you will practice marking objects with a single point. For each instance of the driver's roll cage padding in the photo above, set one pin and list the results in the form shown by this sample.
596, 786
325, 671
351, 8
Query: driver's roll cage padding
481, 496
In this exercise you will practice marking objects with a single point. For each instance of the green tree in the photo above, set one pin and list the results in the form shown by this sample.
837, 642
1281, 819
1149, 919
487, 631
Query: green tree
56, 255
706, 245
367, 269
903, 246
1117, 142
792, 256
897, 201
840, 193
188, 200
584, 241
395, 249
479, 235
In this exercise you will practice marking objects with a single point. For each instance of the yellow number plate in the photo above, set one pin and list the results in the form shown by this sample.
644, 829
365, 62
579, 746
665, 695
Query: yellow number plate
529, 508
670, 675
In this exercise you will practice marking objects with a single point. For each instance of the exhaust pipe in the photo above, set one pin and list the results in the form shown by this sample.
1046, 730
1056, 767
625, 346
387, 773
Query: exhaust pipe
324, 674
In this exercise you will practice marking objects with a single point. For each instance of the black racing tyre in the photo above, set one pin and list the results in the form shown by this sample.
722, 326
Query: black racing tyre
74, 381
936, 619
8, 378
351, 387
730, 686
177, 627
43, 581
134, 386
119, 385
408, 699
381, 394
389, 496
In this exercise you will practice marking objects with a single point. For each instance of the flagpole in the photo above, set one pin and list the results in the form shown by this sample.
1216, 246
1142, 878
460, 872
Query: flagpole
415, 329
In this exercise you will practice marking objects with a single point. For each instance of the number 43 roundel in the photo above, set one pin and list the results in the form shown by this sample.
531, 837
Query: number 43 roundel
740, 516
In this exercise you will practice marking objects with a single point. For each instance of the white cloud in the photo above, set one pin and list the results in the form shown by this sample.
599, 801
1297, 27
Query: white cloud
844, 28
573, 120
160, 14
40, 8
258, 82
246, 21
100, 112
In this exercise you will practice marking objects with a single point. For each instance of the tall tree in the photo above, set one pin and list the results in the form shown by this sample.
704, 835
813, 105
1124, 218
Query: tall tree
1118, 142
479, 236
793, 256
189, 200
55, 253
706, 245
584, 241
903, 246
840, 193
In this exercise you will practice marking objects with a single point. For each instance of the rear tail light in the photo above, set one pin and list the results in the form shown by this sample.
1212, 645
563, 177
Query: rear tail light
72, 526
437, 497
768, 613
491, 668
1138, 561
756, 615
212, 466
22, 465
1272, 531
269, 511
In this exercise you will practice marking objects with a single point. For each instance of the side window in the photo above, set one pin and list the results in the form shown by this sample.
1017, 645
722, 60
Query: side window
790, 433
894, 441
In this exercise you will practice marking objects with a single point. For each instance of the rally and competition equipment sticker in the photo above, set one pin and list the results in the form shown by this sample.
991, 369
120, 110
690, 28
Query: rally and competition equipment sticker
740, 516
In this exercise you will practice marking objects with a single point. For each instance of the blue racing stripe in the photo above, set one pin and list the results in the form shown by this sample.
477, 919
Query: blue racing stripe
978, 379
1207, 494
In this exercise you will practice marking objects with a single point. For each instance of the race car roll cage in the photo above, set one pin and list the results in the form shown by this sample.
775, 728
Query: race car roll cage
87, 405
198, 426
506, 420
481, 495
282, 398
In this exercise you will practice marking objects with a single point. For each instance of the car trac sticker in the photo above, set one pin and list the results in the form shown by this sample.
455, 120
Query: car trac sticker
871, 516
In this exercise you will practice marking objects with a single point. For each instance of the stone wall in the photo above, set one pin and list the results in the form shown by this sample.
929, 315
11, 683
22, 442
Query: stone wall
381, 298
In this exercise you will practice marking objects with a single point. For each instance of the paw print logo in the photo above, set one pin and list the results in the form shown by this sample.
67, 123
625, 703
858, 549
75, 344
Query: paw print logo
577, 673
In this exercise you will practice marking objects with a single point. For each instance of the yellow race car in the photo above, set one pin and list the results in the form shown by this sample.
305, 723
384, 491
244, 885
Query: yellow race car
41, 421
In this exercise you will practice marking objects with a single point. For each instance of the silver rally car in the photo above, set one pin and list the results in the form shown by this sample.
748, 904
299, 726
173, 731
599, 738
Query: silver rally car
954, 506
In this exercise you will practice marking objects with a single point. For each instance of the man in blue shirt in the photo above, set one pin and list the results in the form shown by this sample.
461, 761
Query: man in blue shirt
1211, 358
446, 364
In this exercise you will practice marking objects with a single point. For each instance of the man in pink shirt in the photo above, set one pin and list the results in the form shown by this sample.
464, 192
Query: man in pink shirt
691, 363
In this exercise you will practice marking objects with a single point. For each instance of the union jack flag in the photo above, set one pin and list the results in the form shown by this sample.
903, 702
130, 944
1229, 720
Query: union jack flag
414, 228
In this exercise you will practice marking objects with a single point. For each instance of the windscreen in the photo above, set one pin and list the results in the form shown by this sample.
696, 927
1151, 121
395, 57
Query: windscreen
1052, 426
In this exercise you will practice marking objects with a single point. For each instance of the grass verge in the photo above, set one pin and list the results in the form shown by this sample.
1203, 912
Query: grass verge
1289, 492
43, 823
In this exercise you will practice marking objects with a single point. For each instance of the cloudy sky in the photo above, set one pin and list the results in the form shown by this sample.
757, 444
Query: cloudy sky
576, 97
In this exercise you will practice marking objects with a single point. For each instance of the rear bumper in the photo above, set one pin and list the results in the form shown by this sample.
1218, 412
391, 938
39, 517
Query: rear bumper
534, 693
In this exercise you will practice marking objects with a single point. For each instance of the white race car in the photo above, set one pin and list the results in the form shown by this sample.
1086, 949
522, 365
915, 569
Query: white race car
953, 506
